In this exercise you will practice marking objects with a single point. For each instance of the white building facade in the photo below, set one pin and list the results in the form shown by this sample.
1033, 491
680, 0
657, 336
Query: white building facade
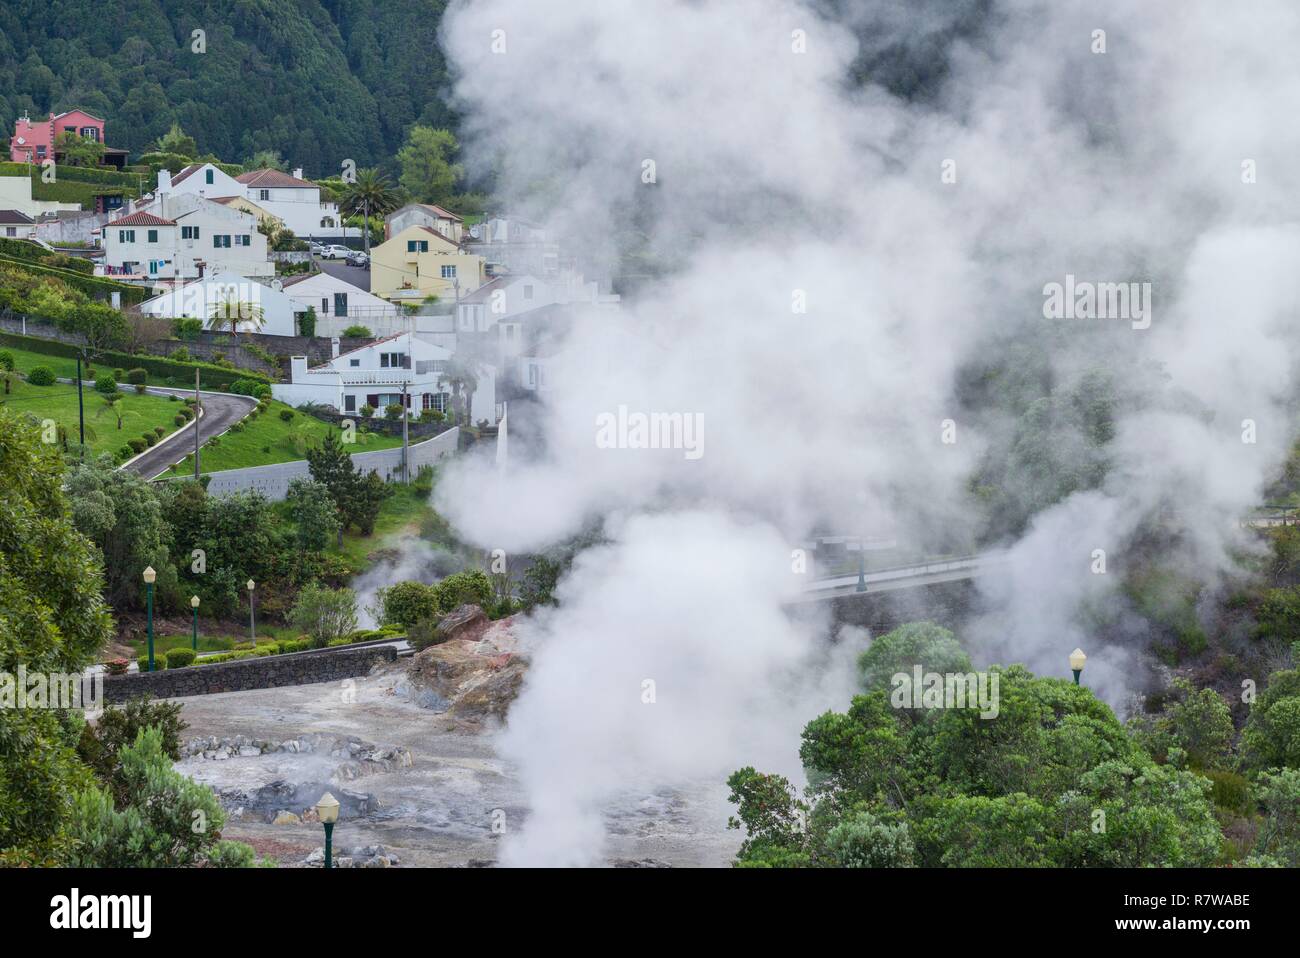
400, 370
227, 294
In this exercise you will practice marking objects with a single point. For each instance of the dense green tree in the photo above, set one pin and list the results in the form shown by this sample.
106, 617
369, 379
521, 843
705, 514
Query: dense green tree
177, 141
77, 150
1271, 738
121, 514
428, 173
1052, 780
314, 514
930, 646
1279, 833
52, 619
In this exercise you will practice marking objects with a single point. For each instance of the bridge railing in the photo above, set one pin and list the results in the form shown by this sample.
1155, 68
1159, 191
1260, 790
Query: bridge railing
925, 568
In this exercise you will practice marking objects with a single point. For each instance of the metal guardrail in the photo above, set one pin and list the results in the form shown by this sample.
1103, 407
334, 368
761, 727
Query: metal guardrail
927, 568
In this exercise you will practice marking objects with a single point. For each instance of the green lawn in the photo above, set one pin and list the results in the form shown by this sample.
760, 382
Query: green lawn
269, 439
140, 414
403, 511
24, 361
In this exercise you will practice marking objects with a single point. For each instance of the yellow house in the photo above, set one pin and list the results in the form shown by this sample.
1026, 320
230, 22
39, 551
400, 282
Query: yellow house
248, 206
420, 262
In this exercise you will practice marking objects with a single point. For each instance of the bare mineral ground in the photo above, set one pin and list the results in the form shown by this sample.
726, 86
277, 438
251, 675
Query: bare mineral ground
419, 783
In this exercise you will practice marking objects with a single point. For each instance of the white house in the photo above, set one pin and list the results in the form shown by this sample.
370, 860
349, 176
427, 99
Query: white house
296, 202
227, 293
515, 245
15, 224
338, 303
291, 199
424, 214
180, 237
399, 370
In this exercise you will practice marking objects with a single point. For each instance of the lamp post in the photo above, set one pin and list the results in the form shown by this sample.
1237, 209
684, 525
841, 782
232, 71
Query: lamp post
149, 577
252, 621
1077, 660
194, 604
327, 810
862, 566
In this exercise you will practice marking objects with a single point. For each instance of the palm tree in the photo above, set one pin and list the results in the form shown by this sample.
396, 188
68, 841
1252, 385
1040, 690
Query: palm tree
370, 192
231, 309
462, 377
113, 404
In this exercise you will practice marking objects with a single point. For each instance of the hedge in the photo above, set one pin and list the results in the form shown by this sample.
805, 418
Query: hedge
94, 286
179, 658
159, 367
83, 174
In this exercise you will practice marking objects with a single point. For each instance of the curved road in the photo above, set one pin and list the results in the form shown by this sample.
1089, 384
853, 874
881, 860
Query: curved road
220, 412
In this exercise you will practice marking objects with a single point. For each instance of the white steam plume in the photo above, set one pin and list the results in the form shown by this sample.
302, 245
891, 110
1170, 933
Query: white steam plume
775, 176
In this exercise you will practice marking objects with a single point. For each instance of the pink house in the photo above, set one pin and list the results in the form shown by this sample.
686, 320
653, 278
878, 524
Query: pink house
33, 140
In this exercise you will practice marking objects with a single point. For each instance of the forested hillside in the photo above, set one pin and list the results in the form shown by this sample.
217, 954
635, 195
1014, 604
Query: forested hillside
319, 81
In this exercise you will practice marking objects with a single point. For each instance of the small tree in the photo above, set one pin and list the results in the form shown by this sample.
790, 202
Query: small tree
314, 513
307, 322
325, 614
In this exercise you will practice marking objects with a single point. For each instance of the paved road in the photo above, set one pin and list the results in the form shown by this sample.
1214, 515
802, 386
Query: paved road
220, 412
349, 274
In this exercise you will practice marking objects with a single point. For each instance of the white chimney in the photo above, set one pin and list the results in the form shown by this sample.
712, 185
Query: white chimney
297, 173
164, 181
334, 347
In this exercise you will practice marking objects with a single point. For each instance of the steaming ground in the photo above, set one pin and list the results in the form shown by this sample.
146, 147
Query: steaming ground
437, 812
816, 291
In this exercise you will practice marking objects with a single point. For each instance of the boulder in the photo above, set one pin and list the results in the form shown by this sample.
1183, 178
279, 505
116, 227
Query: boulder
470, 678
462, 622
283, 817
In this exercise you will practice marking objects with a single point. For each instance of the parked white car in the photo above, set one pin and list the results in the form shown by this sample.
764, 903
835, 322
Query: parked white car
335, 252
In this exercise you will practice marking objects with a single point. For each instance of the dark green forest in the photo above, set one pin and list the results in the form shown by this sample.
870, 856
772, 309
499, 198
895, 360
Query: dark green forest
319, 81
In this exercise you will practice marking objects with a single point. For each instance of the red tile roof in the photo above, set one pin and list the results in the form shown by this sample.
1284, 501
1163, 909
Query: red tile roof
271, 179
443, 214
141, 219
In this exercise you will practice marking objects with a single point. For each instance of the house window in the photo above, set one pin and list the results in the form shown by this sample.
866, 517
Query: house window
436, 401
243, 240
449, 272
221, 241
528, 291
393, 361
90, 133
154, 265
207, 175
11, 231
354, 362
263, 194
350, 402
153, 236
69, 129
340, 304
510, 332
189, 232
532, 374
126, 236
40, 152
417, 246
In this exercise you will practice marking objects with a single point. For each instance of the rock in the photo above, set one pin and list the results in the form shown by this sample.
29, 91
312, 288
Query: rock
248, 751
284, 817
469, 678
462, 622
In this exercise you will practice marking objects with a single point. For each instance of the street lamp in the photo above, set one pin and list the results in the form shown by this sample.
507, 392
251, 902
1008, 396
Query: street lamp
252, 622
194, 604
862, 566
327, 810
149, 577
1077, 660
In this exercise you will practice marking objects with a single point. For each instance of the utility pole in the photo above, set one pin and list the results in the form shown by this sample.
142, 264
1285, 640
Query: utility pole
197, 409
406, 438
81, 409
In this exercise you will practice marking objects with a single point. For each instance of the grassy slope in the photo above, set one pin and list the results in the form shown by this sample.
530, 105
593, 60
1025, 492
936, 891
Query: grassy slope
268, 439
140, 414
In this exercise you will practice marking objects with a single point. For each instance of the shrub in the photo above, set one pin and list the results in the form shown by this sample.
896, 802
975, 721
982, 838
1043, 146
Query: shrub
137, 376
116, 666
142, 663
6, 360
172, 397
325, 614
119, 374
243, 646
422, 634
367, 411
179, 658
150, 439
358, 332
407, 603
41, 376
105, 385
472, 587
286, 415
180, 354
393, 411
159, 431
137, 445
140, 389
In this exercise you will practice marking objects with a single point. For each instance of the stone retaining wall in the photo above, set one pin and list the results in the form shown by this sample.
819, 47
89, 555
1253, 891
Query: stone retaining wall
271, 671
